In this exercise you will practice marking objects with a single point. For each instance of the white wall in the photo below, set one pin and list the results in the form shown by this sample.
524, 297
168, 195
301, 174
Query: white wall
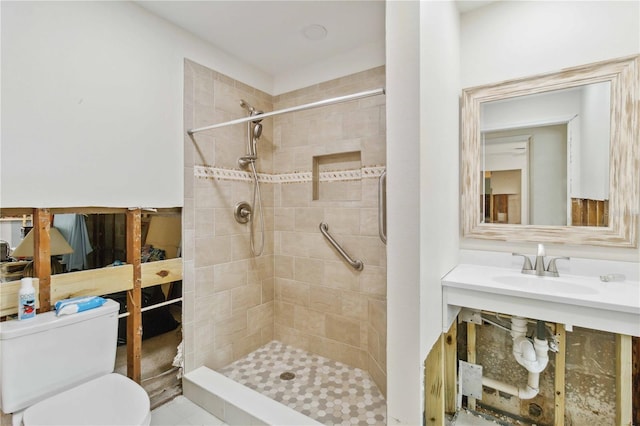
422, 198
403, 214
92, 104
509, 39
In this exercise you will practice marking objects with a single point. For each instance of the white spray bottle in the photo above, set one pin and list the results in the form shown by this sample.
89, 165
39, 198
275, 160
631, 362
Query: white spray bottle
26, 299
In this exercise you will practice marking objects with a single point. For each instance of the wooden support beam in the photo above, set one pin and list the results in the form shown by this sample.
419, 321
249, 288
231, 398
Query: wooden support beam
624, 390
134, 296
42, 255
450, 368
471, 356
434, 385
559, 398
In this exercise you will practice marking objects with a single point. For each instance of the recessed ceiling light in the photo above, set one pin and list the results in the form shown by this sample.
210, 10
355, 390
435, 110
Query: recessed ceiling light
314, 32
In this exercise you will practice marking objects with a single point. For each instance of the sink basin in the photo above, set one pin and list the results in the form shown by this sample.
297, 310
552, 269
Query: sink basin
533, 283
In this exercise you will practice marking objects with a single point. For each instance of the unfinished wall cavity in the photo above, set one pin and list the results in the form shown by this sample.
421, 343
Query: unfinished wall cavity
590, 378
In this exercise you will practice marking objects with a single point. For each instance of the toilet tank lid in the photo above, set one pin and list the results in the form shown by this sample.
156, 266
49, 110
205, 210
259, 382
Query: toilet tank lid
48, 320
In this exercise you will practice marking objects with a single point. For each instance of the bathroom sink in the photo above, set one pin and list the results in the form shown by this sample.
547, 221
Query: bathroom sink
572, 300
546, 284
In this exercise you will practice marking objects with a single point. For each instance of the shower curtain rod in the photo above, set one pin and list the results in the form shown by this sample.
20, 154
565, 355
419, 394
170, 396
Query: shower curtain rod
317, 104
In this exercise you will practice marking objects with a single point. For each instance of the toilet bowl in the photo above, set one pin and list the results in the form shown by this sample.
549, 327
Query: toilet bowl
111, 400
59, 371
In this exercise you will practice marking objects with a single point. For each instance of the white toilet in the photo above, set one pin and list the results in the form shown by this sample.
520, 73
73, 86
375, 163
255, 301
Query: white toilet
59, 371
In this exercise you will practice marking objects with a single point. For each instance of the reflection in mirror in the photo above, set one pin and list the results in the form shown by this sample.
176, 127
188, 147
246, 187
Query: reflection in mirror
558, 141
553, 157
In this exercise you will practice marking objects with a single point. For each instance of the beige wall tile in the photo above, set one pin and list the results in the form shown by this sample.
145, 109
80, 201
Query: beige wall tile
339, 275
373, 281
308, 270
291, 291
325, 299
378, 316
343, 221
343, 329
221, 306
309, 321
354, 305
260, 316
308, 219
295, 194
293, 337
230, 330
283, 313
245, 345
245, 297
229, 275
284, 267
378, 375
268, 290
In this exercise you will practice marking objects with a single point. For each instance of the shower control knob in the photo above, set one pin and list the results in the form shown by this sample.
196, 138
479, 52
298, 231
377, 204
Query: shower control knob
242, 212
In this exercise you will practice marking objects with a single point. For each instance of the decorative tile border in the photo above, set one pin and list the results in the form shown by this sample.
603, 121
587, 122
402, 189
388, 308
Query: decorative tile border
208, 172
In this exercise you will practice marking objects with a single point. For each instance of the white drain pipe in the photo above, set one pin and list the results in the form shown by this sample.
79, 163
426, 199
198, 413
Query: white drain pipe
532, 356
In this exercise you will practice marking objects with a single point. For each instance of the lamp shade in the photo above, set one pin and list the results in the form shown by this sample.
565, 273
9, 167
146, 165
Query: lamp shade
58, 245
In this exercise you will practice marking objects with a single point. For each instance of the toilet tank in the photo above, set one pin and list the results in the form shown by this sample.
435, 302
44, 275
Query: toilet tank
45, 355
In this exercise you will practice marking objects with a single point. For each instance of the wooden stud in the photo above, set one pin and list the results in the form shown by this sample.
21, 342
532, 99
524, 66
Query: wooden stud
559, 398
450, 365
624, 390
434, 385
42, 255
134, 296
471, 356
576, 212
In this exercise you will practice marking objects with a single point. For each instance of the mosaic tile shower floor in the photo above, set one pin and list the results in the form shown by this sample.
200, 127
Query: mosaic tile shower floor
330, 392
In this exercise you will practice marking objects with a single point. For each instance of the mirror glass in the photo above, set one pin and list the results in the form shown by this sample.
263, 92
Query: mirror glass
554, 157
545, 157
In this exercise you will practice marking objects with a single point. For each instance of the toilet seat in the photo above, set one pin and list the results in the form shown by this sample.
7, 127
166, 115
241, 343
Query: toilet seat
112, 399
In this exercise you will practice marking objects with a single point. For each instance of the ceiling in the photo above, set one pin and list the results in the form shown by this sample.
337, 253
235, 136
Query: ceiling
268, 34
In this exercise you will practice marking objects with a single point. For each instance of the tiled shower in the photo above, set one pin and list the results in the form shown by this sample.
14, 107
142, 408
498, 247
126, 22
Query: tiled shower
319, 165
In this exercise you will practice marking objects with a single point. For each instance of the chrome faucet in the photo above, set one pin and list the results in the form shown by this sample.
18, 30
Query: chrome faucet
539, 269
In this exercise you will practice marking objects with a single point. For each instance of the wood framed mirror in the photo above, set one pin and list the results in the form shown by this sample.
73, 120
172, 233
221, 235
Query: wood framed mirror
601, 182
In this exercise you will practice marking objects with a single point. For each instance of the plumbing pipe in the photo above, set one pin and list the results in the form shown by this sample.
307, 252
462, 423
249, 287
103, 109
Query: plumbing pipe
527, 392
532, 356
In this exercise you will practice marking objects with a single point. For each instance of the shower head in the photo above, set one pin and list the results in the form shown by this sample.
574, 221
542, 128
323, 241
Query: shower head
244, 104
252, 111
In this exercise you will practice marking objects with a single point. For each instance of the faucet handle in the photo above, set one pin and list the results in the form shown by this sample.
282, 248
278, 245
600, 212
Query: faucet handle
527, 263
552, 264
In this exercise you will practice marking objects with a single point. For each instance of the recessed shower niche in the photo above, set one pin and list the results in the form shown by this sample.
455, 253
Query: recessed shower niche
336, 177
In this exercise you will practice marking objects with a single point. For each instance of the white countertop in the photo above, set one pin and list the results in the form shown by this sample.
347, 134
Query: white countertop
573, 300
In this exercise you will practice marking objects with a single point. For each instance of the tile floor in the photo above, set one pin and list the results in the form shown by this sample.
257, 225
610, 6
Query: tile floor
180, 411
330, 392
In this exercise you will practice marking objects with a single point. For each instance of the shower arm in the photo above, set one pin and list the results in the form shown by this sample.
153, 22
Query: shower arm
311, 105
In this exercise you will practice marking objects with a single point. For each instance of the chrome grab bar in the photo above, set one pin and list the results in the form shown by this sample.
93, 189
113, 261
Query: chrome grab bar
382, 206
355, 264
